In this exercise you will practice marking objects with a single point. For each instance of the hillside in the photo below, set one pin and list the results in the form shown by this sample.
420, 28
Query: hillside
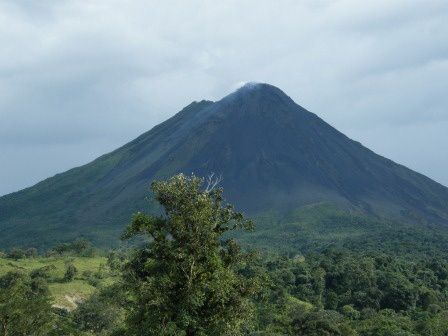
274, 156
64, 294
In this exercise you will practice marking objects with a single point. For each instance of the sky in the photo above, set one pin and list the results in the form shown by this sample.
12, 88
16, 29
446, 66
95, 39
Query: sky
81, 78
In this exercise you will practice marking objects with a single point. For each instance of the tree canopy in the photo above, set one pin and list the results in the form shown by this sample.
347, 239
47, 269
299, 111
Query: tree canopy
186, 280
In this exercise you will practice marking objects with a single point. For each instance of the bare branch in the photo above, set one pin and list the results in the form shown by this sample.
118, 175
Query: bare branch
212, 182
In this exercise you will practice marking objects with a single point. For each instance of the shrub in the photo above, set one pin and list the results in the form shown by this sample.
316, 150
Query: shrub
70, 272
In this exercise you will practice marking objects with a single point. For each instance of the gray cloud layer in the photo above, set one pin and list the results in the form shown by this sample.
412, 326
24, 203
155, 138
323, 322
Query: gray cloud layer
79, 78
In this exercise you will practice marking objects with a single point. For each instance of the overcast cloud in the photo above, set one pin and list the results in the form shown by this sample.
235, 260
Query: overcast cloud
80, 78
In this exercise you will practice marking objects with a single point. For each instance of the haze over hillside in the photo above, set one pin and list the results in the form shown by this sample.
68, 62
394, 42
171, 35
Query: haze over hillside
273, 155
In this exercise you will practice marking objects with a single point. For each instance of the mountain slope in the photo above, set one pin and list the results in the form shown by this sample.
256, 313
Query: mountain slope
272, 154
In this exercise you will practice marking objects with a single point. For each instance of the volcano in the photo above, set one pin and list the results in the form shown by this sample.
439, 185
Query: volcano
272, 155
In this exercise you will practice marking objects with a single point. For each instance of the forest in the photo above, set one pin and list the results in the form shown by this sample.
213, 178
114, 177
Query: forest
185, 272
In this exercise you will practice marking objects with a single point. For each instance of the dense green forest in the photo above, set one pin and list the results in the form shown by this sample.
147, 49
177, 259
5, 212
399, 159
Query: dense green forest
188, 273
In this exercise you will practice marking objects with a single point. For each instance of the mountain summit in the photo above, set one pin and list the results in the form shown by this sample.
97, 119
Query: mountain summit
272, 154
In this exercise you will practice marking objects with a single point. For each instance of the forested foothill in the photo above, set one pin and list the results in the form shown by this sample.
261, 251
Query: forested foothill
191, 271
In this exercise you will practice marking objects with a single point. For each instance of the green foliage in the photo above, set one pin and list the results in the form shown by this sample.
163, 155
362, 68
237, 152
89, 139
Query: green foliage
70, 272
103, 312
16, 254
115, 261
336, 292
53, 269
43, 272
317, 227
353, 293
185, 281
80, 247
31, 252
386, 323
25, 307
321, 323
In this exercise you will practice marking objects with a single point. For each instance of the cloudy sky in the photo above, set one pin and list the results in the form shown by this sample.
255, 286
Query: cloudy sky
80, 78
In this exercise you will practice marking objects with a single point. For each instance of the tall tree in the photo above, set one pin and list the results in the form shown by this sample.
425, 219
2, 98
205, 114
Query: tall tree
186, 280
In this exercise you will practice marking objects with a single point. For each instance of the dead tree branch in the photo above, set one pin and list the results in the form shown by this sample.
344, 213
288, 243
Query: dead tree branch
212, 181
